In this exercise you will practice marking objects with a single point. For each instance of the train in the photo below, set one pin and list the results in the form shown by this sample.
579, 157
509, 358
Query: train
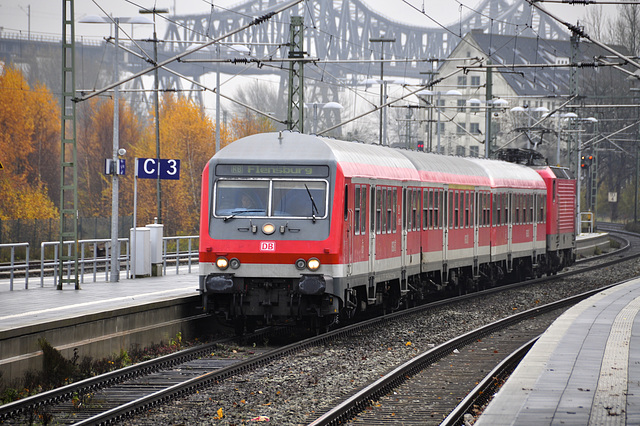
298, 228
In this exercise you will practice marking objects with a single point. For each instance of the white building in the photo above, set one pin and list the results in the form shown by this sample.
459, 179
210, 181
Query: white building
460, 99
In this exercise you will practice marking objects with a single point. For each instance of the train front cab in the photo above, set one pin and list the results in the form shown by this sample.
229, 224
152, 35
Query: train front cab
561, 216
265, 250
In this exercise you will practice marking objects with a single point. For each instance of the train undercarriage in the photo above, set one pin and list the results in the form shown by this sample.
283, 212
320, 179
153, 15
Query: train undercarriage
259, 301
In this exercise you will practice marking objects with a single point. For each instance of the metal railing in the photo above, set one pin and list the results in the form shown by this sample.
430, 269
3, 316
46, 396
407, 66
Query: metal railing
94, 258
13, 264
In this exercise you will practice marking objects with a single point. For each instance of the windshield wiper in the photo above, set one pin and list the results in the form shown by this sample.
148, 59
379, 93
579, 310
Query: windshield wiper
314, 208
237, 212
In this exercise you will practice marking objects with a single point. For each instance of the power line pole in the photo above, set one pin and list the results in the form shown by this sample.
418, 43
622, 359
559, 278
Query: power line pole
68, 153
295, 113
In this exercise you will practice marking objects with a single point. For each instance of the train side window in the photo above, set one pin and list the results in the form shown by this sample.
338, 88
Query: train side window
433, 209
356, 207
506, 199
383, 209
553, 194
372, 210
531, 208
403, 204
467, 207
378, 210
439, 213
393, 211
416, 209
425, 209
346, 202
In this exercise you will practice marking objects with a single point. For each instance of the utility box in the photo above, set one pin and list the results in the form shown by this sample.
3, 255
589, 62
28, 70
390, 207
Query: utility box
140, 252
157, 233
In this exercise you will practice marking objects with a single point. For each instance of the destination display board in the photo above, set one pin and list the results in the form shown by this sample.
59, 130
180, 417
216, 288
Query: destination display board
264, 170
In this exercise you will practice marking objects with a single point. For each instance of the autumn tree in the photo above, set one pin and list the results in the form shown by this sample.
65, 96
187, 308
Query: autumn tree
95, 144
28, 145
188, 135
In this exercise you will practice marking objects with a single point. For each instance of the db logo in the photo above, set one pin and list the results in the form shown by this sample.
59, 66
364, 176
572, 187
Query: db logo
267, 246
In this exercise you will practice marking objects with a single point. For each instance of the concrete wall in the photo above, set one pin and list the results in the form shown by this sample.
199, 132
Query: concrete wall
99, 335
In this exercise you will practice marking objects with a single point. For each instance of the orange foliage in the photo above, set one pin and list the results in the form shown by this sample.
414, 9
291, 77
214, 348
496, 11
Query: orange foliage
250, 124
28, 120
186, 134
95, 144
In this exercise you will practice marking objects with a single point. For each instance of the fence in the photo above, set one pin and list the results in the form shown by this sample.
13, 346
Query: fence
37, 231
94, 258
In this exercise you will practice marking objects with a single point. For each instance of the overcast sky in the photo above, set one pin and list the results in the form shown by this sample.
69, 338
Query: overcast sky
46, 15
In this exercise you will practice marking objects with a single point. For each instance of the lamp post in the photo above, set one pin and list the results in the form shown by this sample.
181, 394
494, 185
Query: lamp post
115, 249
324, 106
155, 11
382, 40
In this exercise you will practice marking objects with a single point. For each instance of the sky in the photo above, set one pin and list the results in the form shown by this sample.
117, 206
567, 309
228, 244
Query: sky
46, 15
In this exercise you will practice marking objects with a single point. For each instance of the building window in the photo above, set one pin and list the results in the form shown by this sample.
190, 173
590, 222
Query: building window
475, 80
460, 151
474, 151
460, 128
440, 103
461, 105
474, 128
441, 128
462, 80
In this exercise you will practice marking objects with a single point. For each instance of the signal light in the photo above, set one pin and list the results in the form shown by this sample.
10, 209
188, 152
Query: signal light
420, 146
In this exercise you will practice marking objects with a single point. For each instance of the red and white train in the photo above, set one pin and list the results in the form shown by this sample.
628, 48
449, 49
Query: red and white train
295, 226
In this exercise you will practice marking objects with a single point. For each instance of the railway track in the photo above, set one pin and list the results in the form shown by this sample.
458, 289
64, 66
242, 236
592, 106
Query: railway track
196, 377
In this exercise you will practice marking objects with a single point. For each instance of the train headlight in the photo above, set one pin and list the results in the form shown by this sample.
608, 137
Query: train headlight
234, 263
313, 264
268, 228
301, 264
222, 263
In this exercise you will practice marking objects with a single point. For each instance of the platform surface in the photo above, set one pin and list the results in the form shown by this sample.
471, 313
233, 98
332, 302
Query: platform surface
23, 307
584, 370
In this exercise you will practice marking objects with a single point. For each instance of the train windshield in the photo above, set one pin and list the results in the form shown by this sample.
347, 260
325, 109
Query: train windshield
276, 198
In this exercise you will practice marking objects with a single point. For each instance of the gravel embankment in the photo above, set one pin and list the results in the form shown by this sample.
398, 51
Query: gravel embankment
299, 388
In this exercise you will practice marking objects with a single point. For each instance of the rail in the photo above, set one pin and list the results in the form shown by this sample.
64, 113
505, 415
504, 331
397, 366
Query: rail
94, 259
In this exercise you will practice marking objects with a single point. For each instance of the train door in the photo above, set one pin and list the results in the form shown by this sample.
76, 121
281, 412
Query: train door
405, 209
373, 222
445, 233
349, 230
508, 217
475, 208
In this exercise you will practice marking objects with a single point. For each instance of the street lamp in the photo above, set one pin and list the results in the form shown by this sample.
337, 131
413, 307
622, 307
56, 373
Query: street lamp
324, 106
115, 250
382, 40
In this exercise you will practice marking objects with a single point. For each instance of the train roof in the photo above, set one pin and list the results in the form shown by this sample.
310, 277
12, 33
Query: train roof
511, 175
379, 162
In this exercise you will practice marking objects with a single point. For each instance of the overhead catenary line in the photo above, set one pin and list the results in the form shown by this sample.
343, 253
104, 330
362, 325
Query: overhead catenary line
377, 108
205, 88
162, 64
589, 64
580, 32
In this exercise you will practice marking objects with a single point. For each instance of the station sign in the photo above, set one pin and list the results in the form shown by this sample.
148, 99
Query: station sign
151, 168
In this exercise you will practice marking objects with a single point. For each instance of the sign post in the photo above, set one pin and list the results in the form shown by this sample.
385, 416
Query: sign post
149, 168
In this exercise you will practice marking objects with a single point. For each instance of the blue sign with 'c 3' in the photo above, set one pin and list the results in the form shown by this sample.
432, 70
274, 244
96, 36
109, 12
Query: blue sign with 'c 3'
149, 168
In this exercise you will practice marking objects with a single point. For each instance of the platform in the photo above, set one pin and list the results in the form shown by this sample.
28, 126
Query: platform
100, 320
584, 370
20, 307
